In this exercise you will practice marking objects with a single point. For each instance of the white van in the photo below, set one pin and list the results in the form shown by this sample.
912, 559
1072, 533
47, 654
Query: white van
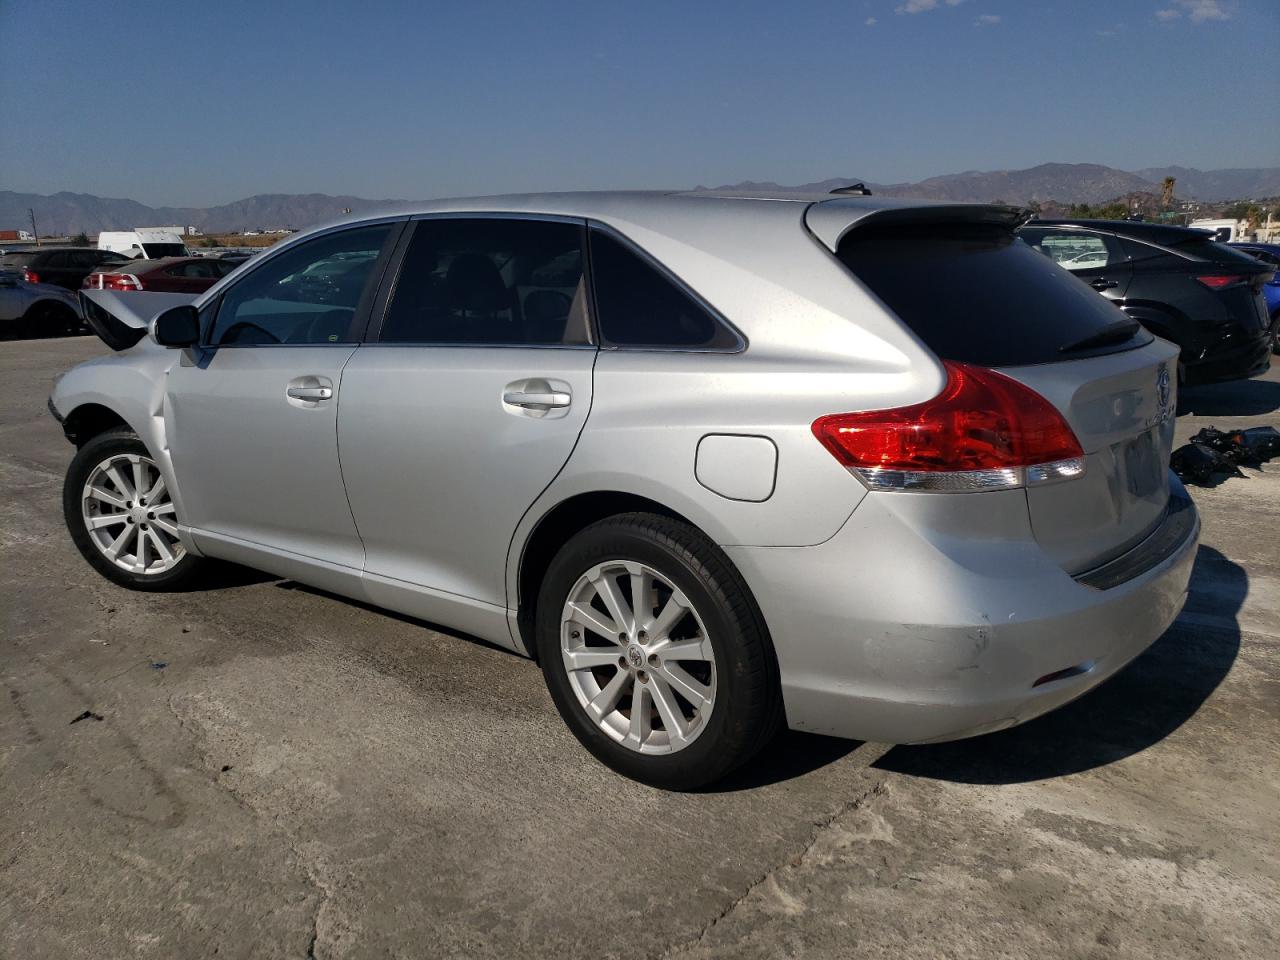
1224, 231
144, 243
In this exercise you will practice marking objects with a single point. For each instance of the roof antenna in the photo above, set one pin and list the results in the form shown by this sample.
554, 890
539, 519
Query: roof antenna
858, 189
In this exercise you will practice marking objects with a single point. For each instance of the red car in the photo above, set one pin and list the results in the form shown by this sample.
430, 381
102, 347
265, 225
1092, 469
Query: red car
170, 275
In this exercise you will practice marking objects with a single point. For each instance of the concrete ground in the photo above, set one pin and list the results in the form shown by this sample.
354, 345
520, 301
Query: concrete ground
271, 772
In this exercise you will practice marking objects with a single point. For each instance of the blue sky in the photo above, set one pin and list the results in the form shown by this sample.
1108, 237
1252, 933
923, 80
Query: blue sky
206, 102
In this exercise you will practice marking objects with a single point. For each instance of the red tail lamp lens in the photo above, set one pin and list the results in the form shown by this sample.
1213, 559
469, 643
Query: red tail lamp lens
983, 424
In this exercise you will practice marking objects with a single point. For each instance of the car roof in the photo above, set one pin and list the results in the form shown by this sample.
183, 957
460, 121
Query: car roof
643, 206
1160, 233
676, 215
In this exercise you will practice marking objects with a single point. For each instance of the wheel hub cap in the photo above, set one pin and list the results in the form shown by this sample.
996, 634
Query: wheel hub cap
637, 657
129, 516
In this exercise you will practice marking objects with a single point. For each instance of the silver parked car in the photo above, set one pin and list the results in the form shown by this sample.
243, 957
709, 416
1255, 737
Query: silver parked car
35, 309
862, 467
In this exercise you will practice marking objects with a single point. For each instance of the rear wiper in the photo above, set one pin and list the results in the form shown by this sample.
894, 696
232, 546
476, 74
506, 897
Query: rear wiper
1116, 333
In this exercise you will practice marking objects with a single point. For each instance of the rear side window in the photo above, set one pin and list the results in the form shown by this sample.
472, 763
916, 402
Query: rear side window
976, 294
640, 306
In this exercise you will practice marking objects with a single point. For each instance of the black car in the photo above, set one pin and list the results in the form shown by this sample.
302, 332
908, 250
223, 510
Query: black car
1178, 283
61, 266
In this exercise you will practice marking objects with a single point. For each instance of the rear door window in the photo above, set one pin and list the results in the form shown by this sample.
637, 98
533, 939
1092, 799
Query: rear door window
977, 294
490, 280
641, 306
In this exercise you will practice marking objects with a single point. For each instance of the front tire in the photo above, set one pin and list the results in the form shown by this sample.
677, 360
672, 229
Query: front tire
655, 653
121, 517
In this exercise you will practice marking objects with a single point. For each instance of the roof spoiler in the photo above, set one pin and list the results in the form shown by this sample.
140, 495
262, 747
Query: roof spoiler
122, 319
830, 220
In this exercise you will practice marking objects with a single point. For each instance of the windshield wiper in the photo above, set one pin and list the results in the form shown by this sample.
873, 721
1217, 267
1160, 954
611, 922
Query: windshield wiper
1116, 333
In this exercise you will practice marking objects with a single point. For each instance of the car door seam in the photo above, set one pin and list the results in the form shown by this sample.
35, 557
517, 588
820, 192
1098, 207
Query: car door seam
342, 473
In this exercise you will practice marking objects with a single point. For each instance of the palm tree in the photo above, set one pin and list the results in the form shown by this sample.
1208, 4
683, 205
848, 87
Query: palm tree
1166, 192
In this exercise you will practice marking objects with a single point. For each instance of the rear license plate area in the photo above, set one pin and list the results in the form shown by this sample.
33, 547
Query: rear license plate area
1144, 473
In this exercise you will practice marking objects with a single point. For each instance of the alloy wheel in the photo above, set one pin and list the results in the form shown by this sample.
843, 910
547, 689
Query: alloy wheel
638, 657
130, 516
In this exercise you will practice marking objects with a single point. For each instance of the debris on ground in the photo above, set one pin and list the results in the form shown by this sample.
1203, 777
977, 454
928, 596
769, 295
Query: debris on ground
87, 715
1212, 451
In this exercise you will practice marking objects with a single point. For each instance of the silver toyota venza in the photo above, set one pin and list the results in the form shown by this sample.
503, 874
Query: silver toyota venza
866, 468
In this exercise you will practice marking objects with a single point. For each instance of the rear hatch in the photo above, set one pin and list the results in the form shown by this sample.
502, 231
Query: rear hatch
974, 293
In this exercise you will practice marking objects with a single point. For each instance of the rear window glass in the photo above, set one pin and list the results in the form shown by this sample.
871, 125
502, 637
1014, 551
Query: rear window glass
977, 294
16, 261
157, 251
1208, 249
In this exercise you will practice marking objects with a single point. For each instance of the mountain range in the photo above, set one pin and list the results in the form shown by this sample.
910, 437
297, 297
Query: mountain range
70, 213
1061, 182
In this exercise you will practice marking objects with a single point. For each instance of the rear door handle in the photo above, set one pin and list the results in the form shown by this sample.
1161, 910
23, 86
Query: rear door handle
551, 400
1102, 284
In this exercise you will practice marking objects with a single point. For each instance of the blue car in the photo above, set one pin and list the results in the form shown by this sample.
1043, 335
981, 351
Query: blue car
1269, 253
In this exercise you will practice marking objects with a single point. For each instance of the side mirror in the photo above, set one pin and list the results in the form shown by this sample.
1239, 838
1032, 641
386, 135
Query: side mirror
177, 327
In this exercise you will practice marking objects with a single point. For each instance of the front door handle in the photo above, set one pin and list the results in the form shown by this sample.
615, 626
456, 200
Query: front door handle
530, 400
310, 393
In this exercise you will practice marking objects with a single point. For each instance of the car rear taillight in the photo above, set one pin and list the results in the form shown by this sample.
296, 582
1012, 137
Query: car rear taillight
118, 281
30, 275
985, 431
1217, 282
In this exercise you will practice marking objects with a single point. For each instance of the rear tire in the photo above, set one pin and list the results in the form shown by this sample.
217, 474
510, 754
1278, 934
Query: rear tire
48, 319
121, 517
693, 654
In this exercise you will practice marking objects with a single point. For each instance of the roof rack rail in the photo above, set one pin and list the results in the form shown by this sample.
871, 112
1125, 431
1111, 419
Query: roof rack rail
858, 189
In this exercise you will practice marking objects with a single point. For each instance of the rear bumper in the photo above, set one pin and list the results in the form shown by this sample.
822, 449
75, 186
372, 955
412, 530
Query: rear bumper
898, 634
1235, 361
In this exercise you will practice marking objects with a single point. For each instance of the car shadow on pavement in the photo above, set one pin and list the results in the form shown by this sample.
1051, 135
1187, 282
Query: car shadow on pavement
1239, 398
791, 754
223, 575
1136, 709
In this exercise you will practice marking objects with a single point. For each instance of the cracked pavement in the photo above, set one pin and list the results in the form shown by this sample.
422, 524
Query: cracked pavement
306, 777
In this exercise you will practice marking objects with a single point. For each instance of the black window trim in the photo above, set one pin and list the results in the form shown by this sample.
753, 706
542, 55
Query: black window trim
673, 278
360, 319
391, 278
